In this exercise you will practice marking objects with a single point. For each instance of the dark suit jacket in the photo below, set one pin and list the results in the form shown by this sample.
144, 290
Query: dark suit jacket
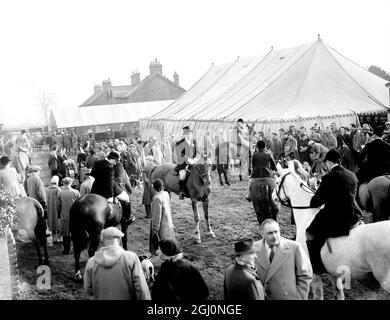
242, 284
376, 154
337, 191
262, 163
103, 172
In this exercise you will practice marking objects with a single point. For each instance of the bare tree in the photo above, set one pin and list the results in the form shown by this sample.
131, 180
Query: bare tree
46, 102
379, 72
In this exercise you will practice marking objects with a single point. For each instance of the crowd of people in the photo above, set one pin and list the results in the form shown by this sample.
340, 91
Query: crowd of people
113, 168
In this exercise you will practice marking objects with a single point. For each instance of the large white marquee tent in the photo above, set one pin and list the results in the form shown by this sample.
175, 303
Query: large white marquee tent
294, 86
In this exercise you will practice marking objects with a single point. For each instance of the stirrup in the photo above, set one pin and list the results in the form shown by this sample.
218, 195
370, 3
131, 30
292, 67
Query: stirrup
181, 196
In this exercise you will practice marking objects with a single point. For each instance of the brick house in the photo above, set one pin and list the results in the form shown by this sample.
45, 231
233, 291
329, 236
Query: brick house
154, 87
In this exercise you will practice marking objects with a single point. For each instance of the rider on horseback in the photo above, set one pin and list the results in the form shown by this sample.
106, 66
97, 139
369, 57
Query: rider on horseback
337, 192
374, 160
186, 155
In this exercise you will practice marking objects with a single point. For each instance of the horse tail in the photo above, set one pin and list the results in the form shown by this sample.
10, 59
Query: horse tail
77, 227
262, 197
41, 226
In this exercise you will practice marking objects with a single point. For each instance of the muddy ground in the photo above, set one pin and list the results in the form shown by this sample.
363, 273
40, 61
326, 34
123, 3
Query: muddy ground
231, 216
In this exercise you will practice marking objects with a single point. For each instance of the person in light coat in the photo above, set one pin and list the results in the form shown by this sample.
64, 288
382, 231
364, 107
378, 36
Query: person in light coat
35, 187
282, 265
113, 273
86, 186
65, 198
161, 225
9, 181
52, 210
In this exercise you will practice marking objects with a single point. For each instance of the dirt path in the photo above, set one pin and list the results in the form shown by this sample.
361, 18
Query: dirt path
231, 218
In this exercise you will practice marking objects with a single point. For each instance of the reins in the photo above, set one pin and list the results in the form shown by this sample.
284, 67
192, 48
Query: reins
288, 203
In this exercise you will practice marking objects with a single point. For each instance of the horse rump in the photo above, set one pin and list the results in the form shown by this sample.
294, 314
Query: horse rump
262, 201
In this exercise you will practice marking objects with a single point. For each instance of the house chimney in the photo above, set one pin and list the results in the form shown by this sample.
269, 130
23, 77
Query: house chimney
155, 67
135, 78
176, 78
97, 88
106, 84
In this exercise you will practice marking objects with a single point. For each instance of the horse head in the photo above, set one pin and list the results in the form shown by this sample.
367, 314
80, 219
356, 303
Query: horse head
203, 171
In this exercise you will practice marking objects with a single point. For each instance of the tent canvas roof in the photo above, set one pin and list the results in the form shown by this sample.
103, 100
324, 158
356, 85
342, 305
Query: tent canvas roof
106, 114
305, 81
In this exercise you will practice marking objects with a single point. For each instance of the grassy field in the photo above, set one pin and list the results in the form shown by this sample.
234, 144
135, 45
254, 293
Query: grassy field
232, 218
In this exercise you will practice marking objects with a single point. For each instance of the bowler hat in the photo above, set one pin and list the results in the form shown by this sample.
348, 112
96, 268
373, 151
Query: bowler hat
333, 155
111, 232
170, 247
113, 155
186, 128
244, 246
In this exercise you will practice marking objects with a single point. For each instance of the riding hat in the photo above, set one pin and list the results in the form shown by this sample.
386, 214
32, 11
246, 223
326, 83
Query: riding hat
333, 155
186, 128
170, 247
244, 246
113, 155
111, 233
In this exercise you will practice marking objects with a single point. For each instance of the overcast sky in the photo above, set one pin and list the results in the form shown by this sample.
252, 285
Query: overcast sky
65, 47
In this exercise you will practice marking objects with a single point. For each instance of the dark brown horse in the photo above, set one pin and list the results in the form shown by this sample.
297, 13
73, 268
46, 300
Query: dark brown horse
375, 197
349, 158
30, 218
263, 204
88, 216
198, 187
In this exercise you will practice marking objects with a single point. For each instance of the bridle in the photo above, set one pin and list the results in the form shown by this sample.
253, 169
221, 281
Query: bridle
287, 202
201, 175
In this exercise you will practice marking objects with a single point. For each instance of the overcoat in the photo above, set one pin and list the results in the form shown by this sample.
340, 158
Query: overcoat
289, 275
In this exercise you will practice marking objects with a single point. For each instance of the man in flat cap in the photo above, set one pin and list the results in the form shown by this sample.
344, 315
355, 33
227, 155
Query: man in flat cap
35, 188
337, 192
186, 152
113, 273
241, 280
104, 184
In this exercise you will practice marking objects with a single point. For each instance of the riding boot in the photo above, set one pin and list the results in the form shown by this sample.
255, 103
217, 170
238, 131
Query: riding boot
314, 248
182, 185
66, 241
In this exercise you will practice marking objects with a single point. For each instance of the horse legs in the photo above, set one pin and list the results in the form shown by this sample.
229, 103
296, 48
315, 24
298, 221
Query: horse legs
317, 287
196, 218
337, 286
36, 244
46, 254
124, 227
76, 254
206, 216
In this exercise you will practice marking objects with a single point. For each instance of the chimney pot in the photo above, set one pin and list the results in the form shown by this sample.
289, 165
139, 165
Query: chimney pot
176, 78
135, 78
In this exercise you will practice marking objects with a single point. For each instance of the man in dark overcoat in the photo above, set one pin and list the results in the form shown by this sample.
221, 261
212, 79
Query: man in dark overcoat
241, 280
374, 160
337, 192
103, 172
186, 152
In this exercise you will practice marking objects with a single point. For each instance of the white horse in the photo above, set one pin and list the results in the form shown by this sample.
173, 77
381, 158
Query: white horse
366, 248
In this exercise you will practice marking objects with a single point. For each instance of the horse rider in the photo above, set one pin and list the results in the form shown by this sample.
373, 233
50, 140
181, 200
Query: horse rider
337, 193
317, 154
186, 155
263, 163
239, 132
374, 160
104, 184
22, 145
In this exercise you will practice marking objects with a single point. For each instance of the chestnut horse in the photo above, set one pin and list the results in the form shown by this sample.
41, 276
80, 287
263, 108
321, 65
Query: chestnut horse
88, 216
198, 187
